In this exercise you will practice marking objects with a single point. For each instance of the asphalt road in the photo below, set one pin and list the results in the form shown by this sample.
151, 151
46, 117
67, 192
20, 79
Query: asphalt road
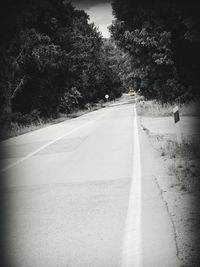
75, 196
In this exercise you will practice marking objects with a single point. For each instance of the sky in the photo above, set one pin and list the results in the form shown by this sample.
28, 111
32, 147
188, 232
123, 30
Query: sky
100, 12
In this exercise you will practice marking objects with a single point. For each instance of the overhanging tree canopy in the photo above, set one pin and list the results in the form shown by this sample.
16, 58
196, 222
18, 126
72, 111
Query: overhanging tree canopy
162, 38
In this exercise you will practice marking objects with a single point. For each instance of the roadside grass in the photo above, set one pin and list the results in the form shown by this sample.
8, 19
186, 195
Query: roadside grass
182, 159
21, 125
183, 163
15, 129
182, 188
154, 108
188, 148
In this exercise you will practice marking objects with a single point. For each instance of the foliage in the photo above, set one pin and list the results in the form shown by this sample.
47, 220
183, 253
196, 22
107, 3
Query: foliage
70, 100
119, 63
20, 119
162, 38
35, 63
52, 59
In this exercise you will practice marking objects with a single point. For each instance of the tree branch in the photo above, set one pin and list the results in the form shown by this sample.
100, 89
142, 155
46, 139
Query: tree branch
18, 88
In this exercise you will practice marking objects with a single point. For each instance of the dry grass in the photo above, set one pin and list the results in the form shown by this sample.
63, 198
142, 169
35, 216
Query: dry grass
15, 129
182, 162
187, 149
153, 109
182, 159
156, 109
183, 165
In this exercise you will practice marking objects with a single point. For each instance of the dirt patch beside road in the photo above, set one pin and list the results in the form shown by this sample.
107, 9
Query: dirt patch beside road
180, 186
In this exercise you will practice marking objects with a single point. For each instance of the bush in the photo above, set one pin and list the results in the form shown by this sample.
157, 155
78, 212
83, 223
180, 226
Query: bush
20, 119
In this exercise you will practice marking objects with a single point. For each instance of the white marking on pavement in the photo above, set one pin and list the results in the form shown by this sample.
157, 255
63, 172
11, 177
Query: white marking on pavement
132, 246
42, 147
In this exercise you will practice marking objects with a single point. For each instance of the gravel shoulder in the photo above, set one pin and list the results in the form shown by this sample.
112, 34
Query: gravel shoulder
178, 179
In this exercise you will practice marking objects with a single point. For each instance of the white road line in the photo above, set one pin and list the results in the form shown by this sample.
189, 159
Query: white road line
132, 246
42, 147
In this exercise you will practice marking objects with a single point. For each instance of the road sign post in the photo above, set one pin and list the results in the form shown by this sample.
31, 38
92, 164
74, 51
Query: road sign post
106, 97
177, 124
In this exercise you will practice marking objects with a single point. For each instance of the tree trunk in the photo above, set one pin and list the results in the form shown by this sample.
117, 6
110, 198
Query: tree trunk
8, 105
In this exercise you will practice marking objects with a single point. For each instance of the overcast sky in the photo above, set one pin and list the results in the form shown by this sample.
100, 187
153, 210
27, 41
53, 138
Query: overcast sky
100, 12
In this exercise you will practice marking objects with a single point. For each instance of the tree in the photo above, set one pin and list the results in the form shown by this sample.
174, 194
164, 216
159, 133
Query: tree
35, 57
52, 59
160, 44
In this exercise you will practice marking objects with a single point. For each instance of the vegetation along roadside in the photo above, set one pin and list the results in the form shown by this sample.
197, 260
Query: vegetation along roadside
181, 187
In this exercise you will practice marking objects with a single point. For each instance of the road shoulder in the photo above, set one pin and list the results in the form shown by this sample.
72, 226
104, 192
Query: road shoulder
180, 203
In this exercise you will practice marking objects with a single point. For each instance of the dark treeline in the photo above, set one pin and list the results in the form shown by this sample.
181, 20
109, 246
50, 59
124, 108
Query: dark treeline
52, 59
163, 41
